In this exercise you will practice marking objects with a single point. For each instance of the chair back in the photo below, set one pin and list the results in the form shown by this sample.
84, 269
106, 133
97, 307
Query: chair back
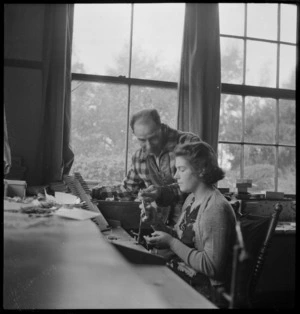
262, 253
253, 237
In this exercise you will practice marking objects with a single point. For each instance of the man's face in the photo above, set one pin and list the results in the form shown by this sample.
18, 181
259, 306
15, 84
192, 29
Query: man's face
149, 136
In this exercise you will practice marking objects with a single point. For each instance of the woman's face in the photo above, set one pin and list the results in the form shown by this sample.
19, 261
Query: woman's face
187, 179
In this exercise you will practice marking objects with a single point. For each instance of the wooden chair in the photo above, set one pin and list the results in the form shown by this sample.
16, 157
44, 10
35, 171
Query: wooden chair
254, 234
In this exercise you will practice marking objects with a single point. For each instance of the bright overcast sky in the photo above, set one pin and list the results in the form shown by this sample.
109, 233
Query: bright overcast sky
101, 31
109, 25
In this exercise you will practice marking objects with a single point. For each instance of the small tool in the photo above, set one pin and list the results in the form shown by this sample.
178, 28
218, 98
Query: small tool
140, 226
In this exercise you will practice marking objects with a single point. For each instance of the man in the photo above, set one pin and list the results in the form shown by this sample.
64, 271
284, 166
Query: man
153, 165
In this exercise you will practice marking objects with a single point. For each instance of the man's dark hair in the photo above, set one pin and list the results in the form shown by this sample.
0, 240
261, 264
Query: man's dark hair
145, 115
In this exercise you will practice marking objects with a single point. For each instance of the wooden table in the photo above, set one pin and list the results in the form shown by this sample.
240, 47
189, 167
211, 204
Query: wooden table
57, 263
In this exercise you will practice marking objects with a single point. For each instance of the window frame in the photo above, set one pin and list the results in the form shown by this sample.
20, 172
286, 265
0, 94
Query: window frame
258, 91
226, 88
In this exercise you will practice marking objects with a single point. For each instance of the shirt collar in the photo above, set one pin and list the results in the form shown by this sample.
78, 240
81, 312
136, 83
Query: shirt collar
169, 136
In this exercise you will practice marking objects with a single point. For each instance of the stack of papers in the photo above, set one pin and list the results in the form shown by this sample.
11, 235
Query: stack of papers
76, 213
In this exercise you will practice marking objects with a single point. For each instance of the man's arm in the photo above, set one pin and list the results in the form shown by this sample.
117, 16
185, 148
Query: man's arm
170, 194
127, 190
163, 195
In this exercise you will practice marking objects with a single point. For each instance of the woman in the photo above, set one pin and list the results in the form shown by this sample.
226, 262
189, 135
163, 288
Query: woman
204, 235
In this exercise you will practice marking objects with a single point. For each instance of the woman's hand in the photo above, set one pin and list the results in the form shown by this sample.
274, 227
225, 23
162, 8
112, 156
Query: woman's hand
159, 239
148, 212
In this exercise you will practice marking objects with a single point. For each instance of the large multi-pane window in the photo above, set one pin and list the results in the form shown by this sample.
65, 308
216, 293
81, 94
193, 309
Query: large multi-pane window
257, 117
127, 57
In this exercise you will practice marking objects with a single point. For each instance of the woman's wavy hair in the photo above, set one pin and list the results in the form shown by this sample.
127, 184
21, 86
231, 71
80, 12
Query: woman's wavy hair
203, 159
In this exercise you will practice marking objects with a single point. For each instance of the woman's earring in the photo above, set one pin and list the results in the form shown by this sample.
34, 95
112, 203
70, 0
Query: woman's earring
201, 174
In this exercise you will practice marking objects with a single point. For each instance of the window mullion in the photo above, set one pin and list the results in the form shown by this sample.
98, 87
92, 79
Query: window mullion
257, 39
243, 100
277, 101
245, 45
123, 80
243, 138
277, 145
129, 88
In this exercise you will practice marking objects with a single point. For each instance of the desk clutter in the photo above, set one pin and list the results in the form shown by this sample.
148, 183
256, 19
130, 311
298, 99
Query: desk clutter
66, 199
241, 191
47, 199
42, 247
47, 207
260, 203
286, 227
41, 204
15, 188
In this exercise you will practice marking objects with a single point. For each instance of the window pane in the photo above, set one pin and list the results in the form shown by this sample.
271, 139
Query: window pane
232, 18
288, 21
230, 127
262, 20
287, 122
161, 99
99, 114
259, 167
287, 170
260, 120
261, 64
287, 78
229, 159
232, 60
100, 38
157, 40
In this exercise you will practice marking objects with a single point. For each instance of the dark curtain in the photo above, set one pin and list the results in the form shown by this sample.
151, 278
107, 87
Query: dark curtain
56, 154
6, 148
200, 74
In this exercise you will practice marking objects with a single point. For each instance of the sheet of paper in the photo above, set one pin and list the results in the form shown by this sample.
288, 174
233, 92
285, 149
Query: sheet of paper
66, 198
76, 213
62, 198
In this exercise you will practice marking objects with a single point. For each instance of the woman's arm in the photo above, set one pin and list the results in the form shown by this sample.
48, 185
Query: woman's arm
160, 226
217, 227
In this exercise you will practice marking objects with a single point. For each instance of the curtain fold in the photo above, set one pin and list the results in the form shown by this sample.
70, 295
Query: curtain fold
6, 148
56, 156
199, 85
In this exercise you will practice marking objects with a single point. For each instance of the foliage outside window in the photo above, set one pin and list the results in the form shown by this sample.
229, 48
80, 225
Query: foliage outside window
127, 56
257, 118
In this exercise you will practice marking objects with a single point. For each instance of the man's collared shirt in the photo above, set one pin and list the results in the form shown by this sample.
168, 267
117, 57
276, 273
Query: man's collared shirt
144, 170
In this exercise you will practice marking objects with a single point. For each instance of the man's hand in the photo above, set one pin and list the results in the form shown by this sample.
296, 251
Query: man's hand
99, 193
150, 194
